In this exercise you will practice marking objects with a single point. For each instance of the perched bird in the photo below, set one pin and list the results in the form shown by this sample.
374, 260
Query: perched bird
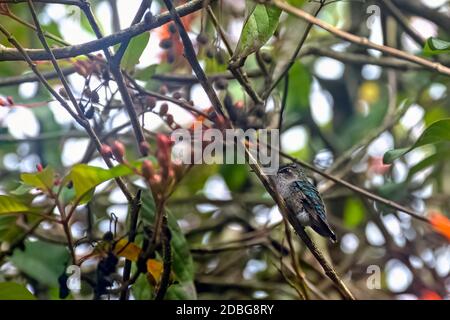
303, 199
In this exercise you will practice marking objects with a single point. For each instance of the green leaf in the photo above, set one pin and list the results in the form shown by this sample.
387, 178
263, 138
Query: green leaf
259, 26
134, 51
354, 212
299, 87
85, 178
435, 46
235, 176
43, 180
147, 73
140, 288
14, 291
182, 264
9, 205
181, 291
438, 131
41, 261
296, 3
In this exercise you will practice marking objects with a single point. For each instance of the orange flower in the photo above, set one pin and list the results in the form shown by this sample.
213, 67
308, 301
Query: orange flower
440, 223
429, 295
174, 54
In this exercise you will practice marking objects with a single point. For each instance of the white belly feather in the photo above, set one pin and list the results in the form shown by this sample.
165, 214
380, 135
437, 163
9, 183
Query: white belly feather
303, 217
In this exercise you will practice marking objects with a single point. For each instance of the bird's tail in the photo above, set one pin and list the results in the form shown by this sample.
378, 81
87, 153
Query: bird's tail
323, 228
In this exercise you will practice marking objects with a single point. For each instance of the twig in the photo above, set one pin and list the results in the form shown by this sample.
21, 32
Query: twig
135, 207
191, 56
173, 79
361, 59
293, 58
61, 75
402, 20
114, 64
167, 263
360, 40
8, 54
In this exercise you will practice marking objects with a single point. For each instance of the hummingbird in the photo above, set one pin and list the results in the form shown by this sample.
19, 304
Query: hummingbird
303, 199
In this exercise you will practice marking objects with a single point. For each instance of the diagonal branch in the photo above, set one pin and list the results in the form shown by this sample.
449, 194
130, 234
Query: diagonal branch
191, 57
435, 66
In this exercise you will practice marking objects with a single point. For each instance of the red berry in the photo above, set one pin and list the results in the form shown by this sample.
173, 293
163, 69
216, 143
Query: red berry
151, 102
147, 169
169, 119
163, 109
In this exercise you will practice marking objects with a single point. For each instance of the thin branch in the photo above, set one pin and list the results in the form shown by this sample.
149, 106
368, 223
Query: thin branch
362, 41
135, 207
173, 79
114, 64
293, 58
167, 263
357, 189
61, 76
191, 56
8, 54
402, 21
361, 59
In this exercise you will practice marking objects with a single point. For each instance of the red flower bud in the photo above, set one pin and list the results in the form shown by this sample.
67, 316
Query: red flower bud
155, 181
39, 167
118, 150
106, 150
163, 154
147, 169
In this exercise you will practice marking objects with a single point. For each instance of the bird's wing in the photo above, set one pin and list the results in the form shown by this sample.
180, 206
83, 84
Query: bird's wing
313, 204
311, 198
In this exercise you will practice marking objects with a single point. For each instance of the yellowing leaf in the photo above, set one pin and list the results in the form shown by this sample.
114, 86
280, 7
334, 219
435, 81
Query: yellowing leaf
154, 269
14, 291
9, 205
126, 249
85, 178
